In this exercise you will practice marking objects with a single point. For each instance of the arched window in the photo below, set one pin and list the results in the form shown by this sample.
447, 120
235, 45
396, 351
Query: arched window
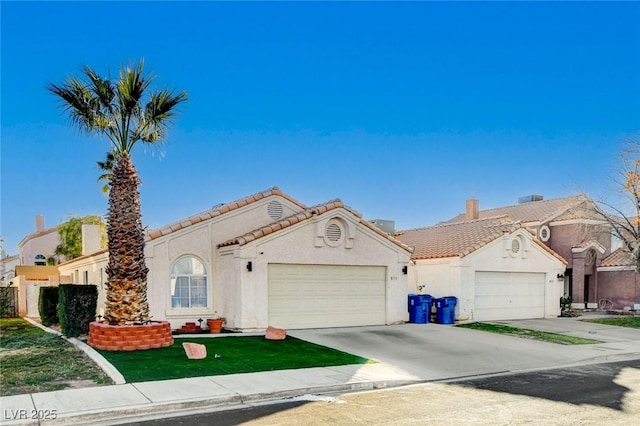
188, 284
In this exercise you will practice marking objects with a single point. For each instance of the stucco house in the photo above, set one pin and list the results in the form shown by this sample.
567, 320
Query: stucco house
570, 227
495, 267
39, 246
32, 272
268, 259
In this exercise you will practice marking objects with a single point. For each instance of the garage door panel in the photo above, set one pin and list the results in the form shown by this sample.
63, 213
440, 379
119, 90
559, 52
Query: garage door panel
308, 296
509, 295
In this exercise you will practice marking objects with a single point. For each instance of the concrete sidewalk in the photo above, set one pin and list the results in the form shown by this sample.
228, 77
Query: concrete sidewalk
117, 403
407, 354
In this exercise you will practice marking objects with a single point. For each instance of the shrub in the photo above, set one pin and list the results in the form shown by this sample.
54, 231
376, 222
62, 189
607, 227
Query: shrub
48, 305
76, 308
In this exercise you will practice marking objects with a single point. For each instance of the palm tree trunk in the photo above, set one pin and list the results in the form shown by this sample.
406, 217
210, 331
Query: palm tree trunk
126, 270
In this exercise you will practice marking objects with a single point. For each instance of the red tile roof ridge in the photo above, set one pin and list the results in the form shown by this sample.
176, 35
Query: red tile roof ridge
218, 210
308, 213
84, 256
268, 229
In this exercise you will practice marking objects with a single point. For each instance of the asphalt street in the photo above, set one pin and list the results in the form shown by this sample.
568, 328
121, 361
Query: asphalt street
590, 394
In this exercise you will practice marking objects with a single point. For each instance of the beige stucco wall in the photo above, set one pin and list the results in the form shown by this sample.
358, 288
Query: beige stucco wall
44, 243
456, 276
240, 295
201, 241
301, 245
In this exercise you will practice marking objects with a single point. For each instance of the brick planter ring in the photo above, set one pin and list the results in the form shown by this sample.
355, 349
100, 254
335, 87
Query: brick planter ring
156, 334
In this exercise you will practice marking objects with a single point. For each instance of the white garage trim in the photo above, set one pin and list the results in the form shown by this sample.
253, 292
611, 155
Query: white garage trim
315, 296
509, 295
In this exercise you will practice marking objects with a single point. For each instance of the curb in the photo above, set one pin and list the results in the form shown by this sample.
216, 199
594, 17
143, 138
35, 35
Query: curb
123, 415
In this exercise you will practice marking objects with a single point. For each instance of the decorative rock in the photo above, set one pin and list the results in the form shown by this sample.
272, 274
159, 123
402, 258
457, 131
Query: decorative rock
275, 333
195, 350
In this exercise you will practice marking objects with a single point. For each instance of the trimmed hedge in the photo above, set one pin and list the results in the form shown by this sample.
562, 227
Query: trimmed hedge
77, 308
48, 305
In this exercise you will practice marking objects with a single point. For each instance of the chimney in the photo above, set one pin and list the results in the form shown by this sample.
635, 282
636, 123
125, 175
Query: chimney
39, 222
90, 239
473, 209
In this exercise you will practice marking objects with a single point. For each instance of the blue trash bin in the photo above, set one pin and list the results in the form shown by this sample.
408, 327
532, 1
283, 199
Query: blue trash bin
446, 310
426, 301
411, 295
419, 308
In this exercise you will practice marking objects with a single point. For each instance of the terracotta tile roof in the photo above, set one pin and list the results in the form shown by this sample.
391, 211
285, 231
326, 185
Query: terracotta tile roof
535, 211
302, 216
86, 256
456, 239
462, 238
217, 211
620, 257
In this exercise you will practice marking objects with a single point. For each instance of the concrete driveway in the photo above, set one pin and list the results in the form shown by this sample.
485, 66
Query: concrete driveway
441, 352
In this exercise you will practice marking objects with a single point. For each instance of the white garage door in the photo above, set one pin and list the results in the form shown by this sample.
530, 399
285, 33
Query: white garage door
509, 295
310, 296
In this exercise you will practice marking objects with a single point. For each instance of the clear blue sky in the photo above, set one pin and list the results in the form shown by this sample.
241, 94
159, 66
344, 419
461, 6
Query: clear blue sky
402, 110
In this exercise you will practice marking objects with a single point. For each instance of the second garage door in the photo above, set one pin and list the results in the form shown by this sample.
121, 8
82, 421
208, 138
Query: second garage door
509, 295
310, 296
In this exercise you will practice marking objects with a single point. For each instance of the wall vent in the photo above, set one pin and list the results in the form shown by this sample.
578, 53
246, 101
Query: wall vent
333, 232
275, 210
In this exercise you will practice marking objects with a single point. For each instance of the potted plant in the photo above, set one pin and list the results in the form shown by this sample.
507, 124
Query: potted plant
215, 324
565, 306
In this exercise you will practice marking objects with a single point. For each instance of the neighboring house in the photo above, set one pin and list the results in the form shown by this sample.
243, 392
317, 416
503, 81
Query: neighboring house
495, 267
28, 278
268, 259
570, 227
8, 268
618, 282
39, 246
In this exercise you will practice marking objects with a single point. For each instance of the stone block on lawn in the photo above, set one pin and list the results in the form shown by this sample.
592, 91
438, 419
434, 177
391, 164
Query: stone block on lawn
275, 333
195, 350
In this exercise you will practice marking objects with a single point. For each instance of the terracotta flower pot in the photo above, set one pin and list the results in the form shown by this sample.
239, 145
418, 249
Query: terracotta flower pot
215, 325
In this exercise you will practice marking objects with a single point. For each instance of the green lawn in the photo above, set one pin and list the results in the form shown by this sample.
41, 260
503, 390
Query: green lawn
626, 321
32, 360
529, 334
238, 354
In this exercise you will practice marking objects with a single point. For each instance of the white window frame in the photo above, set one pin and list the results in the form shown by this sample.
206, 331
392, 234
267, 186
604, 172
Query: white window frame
173, 278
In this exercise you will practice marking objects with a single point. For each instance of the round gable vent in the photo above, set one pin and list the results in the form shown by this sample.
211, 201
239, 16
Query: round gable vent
544, 233
515, 246
275, 210
333, 233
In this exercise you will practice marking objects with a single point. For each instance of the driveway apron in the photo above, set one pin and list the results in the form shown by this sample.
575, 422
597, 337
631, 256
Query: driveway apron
441, 352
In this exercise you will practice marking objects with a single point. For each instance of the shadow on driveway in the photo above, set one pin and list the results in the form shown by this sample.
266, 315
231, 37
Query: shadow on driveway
596, 384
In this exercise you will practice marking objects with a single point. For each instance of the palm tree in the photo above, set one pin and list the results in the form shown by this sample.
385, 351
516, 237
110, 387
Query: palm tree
124, 112
107, 167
